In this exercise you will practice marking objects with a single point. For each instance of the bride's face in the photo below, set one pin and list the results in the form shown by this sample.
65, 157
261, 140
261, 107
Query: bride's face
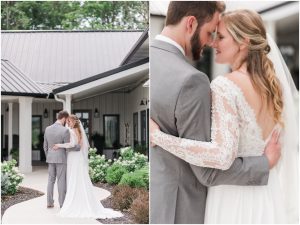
70, 122
226, 48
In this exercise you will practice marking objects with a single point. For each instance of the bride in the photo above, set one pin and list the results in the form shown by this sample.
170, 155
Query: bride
248, 104
80, 200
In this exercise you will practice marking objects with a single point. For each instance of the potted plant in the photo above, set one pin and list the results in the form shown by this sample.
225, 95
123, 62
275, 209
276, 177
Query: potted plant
98, 141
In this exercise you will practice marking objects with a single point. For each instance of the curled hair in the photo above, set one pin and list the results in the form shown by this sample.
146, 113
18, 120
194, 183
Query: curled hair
247, 24
76, 125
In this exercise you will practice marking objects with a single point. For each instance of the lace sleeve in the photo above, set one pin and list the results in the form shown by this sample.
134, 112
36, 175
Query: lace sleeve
72, 142
222, 150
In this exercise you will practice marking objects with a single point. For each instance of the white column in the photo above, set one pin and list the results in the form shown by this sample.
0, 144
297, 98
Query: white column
25, 134
68, 103
10, 127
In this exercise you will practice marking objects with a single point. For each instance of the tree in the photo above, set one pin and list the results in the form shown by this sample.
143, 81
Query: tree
74, 15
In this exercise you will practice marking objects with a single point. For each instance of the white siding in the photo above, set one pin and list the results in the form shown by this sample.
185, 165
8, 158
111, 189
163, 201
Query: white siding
122, 104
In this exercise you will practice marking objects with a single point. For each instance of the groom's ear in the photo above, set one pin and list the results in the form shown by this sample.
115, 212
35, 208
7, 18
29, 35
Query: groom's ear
191, 24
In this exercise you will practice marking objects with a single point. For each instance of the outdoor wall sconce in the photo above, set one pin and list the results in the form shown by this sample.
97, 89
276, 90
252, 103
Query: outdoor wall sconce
45, 113
144, 101
7, 109
96, 113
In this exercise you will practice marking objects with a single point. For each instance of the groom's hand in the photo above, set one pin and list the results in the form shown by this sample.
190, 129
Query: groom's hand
273, 149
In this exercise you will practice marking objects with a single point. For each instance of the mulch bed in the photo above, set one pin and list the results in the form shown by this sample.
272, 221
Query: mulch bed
23, 194
107, 203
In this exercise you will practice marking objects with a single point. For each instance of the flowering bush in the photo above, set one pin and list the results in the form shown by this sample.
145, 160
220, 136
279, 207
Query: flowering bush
10, 177
97, 166
131, 160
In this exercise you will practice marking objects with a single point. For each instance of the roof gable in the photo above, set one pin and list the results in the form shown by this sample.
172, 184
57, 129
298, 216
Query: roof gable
14, 82
66, 56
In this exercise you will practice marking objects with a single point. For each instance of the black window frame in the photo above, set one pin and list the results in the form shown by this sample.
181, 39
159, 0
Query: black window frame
135, 130
41, 130
118, 131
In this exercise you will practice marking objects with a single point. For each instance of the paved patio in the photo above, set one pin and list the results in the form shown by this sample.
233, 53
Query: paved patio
34, 211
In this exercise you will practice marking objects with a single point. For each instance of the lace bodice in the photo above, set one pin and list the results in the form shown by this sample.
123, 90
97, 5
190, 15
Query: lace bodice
73, 141
234, 131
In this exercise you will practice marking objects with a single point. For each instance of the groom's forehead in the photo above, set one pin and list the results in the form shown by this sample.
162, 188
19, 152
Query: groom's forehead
215, 21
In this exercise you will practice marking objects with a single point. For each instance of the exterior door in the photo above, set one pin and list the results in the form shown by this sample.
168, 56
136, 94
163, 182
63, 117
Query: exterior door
111, 131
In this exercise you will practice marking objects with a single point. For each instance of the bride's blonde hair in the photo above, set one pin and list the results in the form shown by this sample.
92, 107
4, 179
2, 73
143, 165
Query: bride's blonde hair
248, 25
76, 125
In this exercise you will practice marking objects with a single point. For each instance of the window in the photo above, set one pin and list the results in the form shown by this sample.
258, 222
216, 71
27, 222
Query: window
36, 132
143, 128
111, 131
135, 129
85, 117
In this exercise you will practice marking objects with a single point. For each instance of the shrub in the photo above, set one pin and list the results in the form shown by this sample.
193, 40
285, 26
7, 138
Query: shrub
14, 152
130, 160
115, 173
10, 177
97, 166
140, 208
127, 153
123, 196
138, 178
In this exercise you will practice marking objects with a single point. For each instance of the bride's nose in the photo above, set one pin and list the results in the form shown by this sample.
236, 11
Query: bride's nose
214, 44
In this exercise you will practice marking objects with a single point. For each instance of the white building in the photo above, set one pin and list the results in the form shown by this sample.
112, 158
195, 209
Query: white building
97, 75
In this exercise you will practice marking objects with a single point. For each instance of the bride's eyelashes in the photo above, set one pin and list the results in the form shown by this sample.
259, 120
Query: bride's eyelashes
219, 36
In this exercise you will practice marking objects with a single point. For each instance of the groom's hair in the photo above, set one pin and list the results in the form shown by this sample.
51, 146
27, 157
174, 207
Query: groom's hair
62, 114
202, 10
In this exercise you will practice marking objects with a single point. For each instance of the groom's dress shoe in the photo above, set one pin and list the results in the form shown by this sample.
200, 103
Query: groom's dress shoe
50, 206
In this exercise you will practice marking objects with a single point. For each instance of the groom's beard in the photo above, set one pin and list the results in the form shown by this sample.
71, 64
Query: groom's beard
196, 45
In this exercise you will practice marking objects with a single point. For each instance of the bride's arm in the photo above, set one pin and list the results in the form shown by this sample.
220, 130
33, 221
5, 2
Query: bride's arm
222, 150
70, 144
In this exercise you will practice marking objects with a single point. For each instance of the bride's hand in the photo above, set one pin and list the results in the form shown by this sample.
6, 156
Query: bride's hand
152, 128
55, 147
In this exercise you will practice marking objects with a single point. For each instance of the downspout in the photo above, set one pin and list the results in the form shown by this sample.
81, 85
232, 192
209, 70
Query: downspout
66, 102
60, 100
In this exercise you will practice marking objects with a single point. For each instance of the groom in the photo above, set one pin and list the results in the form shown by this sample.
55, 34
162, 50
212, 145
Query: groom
181, 106
57, 159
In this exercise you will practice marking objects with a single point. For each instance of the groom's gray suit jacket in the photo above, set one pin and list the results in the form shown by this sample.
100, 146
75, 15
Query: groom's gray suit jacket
181, 105
57, 134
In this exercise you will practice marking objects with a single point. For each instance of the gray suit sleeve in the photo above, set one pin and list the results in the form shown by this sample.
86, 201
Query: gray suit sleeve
193, 117
67, 140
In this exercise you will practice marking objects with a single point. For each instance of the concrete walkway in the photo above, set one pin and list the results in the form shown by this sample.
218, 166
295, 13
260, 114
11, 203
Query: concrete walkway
34, 211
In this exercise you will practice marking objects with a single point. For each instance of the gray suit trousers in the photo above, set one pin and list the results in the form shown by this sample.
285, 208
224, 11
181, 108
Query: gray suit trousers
57, 170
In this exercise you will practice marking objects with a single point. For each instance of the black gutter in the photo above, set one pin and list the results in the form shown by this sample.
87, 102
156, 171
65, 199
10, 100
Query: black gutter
137, 45
101, 75
36, 95
275, 7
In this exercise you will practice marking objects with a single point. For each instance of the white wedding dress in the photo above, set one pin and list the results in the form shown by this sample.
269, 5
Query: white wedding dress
80, 201
235, 133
